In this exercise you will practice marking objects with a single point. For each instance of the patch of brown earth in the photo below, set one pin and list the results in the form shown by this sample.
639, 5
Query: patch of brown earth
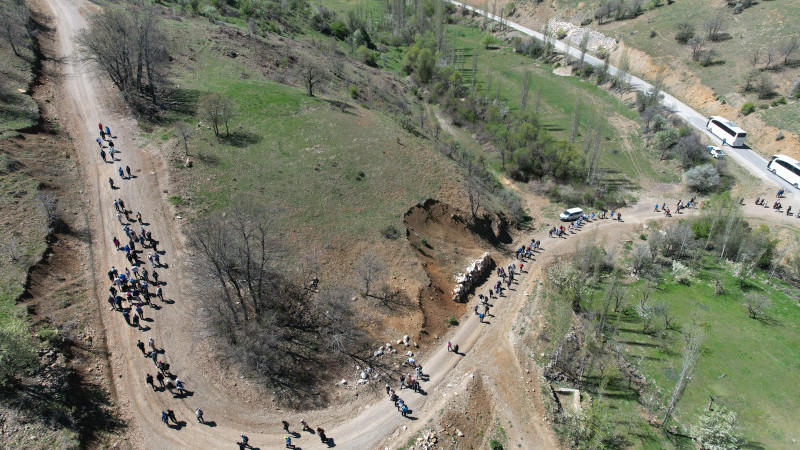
445, 244
471, 415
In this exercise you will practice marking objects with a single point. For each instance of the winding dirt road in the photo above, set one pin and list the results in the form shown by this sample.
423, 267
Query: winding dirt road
232, 406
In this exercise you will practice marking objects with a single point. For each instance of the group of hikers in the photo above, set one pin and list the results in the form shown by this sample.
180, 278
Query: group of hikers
777, 206
663, 208
134, 287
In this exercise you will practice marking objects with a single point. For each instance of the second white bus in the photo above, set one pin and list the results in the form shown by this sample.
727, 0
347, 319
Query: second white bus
726, 130
786, 168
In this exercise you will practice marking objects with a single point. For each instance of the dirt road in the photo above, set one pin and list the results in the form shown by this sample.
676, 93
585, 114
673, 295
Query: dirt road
231, 406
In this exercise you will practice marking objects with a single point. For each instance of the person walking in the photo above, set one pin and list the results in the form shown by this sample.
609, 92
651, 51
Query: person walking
152, 343
155, 277
138, 217
165, 417
160, 379
321, 434
402, 381
108, 133
179, 386
480, 317
135, 271
449, 346
127, 315
305, 426
128, 171
149, 380
199, 413
140, 345
103, 154
172, 417
111, 182
140, 312
160, 293
116, 242
100, 143
121, 172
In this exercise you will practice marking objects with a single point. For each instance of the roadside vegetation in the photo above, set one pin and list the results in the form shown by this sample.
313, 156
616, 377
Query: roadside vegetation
667, 333
19, 53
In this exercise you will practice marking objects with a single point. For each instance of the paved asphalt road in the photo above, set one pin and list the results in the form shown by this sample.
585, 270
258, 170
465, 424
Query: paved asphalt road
743, 155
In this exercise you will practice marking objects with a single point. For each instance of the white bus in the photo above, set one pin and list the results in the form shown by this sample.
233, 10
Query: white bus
726, 130
786, 168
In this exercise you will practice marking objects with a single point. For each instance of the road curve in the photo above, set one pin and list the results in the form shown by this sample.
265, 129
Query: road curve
749, 159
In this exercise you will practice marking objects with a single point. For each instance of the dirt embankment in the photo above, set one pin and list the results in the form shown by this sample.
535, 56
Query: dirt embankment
446, 242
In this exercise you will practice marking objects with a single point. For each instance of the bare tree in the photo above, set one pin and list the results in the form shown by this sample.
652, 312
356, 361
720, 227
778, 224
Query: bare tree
645, 308
685, 32
715, 27
130, 47
788, 48
584, 45
755, 57
765, 86
526, 84
693, 346
185, 132
311, 74
769, 57
573, 124
370, 271
696, 44
750, 79
475, 187
211, 109
756, 304
624, 65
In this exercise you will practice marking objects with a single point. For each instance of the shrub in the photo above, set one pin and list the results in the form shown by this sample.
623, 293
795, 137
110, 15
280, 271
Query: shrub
561, 33
703, 178
779, 136
17, 350
681, 273
488, 40
748, 108
366, 56
353, 91
452, 321
339, 30
391, 233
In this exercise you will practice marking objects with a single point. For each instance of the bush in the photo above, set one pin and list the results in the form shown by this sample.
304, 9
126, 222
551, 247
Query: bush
366, 56
703, 178
452, 321
488, 40
339, 30
685, 32
561, 33
353, 91
748, 108
681, 273
779, 136
17, 350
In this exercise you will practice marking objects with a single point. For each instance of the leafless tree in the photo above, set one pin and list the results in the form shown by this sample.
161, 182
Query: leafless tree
212, 108
645, 308
475, 187
584, 45
274, 327
750, 79
129, 46
370, 270
693, 347
788, 47
769, 57
755, 57
765, 86
623, 78
526, 85
185, 132
715, 27
696, 44
573, 124
311, 74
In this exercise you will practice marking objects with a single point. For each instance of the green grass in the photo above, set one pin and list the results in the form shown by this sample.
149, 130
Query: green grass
336, 177
747, 365
786, 117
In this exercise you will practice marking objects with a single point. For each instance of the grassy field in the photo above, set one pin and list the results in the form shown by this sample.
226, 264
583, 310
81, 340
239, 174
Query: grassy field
337, 178
747, 365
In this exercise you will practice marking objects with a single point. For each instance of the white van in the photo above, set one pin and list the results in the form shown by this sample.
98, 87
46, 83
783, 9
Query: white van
571, 214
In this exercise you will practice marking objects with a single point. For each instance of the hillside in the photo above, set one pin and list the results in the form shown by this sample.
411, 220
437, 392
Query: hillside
751, 42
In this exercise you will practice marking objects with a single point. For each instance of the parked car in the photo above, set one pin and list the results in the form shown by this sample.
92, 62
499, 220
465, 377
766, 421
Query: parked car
570, 214
716, 152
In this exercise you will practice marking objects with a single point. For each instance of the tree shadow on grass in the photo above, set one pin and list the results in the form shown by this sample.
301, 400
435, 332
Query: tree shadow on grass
208, 159
183, 101
241, 138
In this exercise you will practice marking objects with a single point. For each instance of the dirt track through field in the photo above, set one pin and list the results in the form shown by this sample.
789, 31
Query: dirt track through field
230, 404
